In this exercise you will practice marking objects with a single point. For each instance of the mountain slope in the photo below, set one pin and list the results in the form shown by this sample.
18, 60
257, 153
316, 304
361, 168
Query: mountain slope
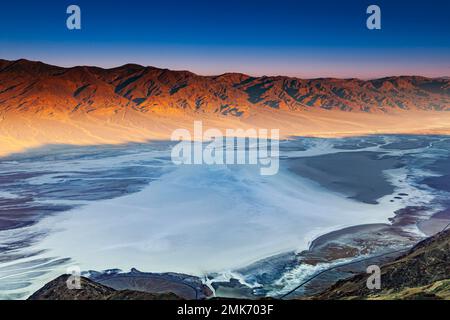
42, 104
424, 272
37, 87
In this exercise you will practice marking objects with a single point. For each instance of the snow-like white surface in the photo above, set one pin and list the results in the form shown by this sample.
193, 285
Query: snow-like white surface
201, 219
195, 219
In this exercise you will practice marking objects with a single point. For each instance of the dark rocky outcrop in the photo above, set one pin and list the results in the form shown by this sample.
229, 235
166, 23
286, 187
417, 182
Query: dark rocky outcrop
90, 290
422, 273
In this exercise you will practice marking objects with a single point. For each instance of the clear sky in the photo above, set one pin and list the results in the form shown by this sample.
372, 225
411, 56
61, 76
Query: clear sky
314, 38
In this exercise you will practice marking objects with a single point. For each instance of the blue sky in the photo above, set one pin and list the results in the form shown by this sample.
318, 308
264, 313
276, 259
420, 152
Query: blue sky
265, 37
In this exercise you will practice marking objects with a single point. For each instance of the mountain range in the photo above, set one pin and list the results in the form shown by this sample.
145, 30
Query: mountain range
44, 104
37, 87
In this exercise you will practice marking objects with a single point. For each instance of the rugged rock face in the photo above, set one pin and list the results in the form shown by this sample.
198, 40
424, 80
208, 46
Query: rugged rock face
35, 87
58, 290
422, 273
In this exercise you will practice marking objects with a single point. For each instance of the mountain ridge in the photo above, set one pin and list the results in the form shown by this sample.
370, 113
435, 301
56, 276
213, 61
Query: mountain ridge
41, 104
37, 85
141, 66
421, 273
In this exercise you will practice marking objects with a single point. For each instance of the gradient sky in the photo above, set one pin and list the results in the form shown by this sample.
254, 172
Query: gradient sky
314, 38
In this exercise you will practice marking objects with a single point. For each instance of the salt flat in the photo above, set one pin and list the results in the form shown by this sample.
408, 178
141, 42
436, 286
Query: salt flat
198, 219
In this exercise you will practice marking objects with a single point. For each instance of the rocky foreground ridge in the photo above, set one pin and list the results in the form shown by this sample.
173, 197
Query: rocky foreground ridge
422, 273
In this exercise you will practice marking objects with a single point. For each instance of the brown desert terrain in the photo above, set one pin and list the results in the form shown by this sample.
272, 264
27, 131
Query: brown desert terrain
42, 104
